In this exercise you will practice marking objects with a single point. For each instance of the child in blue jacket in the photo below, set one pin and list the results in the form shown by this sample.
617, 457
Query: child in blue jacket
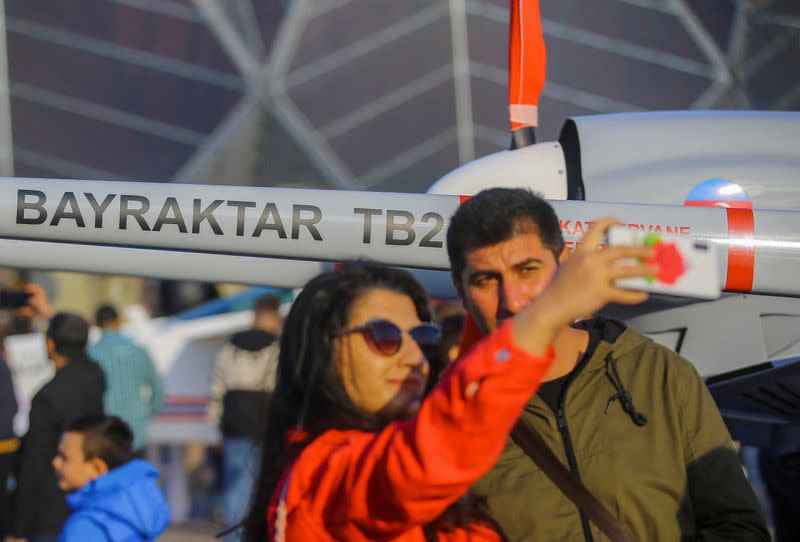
114, 498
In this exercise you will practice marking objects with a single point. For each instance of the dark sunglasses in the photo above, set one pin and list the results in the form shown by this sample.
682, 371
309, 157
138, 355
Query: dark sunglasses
386, 338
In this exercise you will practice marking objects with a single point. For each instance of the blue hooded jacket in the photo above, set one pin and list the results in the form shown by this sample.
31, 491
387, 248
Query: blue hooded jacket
123, 505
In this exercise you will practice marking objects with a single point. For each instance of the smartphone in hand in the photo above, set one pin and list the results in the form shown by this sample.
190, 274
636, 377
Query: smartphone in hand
687, 267
13, 299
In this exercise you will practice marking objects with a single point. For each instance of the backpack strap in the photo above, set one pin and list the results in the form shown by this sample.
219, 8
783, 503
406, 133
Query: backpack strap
534, 447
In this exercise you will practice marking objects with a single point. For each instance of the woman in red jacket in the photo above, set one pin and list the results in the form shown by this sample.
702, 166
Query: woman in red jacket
353, 452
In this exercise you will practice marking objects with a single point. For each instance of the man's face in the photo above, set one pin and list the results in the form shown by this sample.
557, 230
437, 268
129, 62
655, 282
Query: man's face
498, 280
72, 469
268, 321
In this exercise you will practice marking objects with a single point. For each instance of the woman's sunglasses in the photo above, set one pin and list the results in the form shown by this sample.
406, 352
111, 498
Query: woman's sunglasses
386, 338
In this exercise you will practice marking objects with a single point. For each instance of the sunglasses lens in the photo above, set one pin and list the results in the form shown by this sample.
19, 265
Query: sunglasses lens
426, 335
384, 336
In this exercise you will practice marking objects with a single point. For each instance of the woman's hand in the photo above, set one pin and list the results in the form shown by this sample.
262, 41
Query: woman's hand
38, 303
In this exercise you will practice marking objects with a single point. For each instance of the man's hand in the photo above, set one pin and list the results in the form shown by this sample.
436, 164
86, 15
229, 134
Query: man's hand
38, 304
12, 539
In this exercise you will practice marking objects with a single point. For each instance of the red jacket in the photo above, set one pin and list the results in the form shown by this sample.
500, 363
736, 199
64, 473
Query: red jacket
358, 486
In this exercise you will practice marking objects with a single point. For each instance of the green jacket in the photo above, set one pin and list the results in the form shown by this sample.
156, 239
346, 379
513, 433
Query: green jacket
673, 476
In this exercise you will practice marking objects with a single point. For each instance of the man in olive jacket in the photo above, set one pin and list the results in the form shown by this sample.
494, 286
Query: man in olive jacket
630, 418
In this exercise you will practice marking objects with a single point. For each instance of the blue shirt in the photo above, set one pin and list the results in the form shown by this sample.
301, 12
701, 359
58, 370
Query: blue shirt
129, 374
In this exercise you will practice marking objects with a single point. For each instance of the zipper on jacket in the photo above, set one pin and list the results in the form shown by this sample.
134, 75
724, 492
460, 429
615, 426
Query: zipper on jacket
561, 421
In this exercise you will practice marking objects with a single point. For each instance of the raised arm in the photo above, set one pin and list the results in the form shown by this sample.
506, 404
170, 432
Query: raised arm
218, 385
410, 472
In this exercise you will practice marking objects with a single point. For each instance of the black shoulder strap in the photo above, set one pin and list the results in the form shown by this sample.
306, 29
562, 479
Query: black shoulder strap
535, 448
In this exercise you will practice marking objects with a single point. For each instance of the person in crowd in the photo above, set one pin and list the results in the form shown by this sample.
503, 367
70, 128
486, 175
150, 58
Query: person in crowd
113, 497
444, 309
241, 388
77, 388
630, 418
449, 342
353, 450
452, 326
9, 443
135, 391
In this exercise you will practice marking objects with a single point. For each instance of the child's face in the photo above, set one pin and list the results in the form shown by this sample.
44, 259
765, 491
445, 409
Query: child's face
73, 470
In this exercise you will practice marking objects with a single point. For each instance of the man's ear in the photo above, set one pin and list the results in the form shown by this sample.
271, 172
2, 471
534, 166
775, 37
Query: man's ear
564, 256
99, 466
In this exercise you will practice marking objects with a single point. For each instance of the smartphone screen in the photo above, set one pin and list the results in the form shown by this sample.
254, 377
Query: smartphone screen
13, 299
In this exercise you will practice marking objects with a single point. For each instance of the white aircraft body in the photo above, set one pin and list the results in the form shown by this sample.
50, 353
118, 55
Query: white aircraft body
725, 177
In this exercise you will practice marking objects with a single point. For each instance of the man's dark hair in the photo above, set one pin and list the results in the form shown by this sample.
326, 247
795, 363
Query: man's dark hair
267, 303
496, 215
105, 313
104, 437
69, 332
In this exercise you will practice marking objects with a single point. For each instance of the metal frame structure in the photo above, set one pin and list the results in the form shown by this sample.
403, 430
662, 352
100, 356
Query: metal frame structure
267, 79
724, 69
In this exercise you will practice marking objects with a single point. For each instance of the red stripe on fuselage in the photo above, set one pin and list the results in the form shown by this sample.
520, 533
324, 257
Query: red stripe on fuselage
741, 250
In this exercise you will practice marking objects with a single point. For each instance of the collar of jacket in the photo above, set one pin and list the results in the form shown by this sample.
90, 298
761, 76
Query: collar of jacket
616, 341
253, 340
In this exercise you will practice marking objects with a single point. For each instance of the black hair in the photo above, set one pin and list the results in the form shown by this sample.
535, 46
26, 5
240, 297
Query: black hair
69, 333
309, 394
496, 215
104, 437
104, 314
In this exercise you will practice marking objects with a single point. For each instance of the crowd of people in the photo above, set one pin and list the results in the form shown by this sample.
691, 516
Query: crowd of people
372, 413
78, 460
